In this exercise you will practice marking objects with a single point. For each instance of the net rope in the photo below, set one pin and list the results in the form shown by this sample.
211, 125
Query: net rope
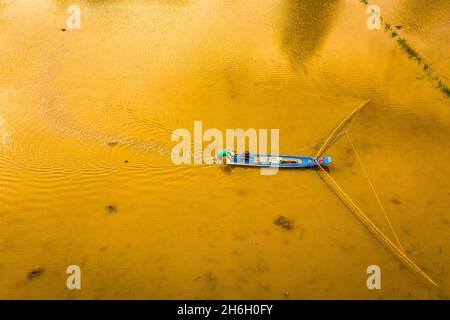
398, 252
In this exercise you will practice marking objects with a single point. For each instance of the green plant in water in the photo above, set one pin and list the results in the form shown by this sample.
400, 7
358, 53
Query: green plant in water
413, 54
444, 88
407, 48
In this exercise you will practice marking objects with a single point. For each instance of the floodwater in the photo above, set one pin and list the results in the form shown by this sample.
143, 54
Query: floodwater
86, 176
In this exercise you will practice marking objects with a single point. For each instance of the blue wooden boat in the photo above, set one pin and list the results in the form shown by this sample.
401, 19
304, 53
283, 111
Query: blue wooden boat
270, 160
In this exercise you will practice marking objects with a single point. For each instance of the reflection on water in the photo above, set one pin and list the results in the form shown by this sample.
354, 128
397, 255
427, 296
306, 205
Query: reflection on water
86, 175
306, 24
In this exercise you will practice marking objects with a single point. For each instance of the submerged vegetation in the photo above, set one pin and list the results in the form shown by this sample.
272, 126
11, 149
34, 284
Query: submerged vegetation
414, 55
35, 273
111, 208
284, 223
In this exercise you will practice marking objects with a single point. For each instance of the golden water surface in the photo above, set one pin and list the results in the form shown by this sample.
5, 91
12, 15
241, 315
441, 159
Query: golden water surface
86, 176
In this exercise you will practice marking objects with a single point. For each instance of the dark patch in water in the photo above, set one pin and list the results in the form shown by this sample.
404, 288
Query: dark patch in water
111, 208
284, 223
227, 169
302, 233
396, 201
238, 236
209, 278
260, 267
242, 192
267, 288
112, 143
302, 38
35, 273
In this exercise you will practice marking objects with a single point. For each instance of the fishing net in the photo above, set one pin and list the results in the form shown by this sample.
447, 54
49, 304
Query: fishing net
342, 129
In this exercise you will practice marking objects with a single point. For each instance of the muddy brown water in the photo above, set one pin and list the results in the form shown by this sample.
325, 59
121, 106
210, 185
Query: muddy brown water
86, 176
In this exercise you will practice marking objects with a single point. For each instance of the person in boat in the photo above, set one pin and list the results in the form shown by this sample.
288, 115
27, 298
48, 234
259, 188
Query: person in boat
246, 156
222, 155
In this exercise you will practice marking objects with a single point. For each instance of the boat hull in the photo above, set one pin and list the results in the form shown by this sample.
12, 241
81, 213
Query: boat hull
279, 161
